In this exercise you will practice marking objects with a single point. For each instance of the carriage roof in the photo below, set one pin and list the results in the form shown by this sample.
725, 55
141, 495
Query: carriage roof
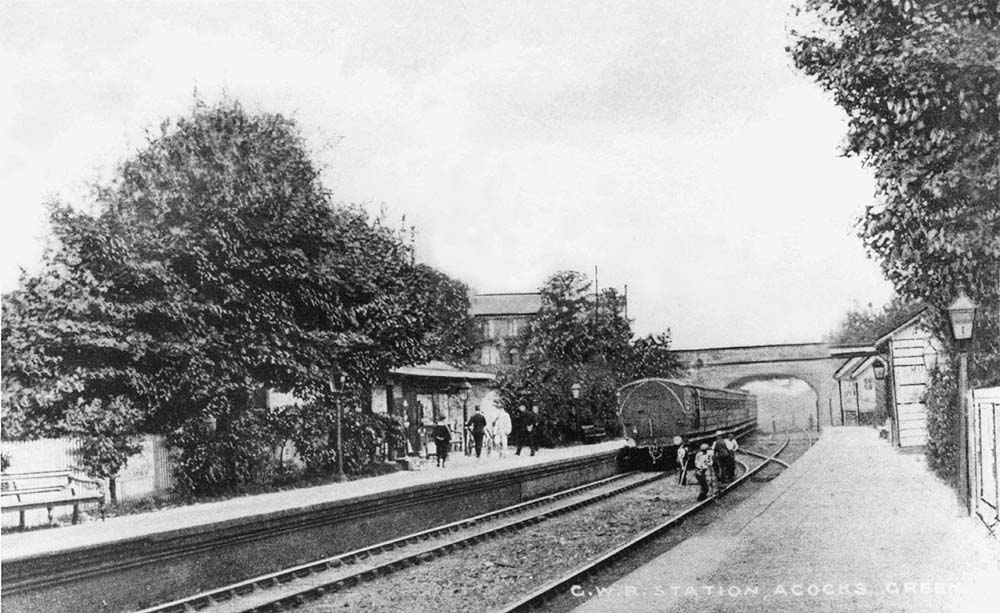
682, 384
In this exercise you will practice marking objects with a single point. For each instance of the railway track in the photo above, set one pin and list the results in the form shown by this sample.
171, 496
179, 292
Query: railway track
292, 587
563, 584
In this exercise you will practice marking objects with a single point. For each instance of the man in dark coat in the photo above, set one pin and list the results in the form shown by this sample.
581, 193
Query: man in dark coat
721, 457
477, 424
442, 441
526, 429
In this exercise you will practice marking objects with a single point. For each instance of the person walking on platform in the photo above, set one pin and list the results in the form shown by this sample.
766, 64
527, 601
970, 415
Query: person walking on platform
528, 425
733, 446
501, 429
701, 467
682, 462
442, 441
520, 420
477, 424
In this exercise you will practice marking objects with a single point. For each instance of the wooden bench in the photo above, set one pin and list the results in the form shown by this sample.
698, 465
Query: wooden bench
48, 489
591, 434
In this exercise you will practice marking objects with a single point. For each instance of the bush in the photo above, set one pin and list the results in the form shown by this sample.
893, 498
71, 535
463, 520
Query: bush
942, 424
367, 437
239, 454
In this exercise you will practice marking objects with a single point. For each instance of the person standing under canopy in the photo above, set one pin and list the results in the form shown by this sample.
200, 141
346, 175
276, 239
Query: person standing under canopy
442, 441
477, 425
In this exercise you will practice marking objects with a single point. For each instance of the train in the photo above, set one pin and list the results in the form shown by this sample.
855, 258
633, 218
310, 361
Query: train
655, 414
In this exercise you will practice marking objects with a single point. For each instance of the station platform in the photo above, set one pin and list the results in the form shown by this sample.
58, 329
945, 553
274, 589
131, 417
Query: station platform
853, 525
18, 545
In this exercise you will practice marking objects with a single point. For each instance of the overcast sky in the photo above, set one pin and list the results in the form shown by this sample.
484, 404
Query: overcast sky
669, 143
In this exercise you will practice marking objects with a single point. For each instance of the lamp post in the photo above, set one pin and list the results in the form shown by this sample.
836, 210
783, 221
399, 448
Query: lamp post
574, 391
336, 387
962, 314
466, 390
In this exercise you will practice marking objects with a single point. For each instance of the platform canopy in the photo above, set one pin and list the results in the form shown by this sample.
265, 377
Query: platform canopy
442, 370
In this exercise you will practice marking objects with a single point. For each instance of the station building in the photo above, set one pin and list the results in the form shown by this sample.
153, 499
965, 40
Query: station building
501, 319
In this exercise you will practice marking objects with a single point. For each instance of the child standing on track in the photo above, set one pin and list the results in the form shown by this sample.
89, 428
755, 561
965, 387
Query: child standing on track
682, 461
702, 464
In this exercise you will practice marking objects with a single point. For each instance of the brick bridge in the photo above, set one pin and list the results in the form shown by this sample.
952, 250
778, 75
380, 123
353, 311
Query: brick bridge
732, 367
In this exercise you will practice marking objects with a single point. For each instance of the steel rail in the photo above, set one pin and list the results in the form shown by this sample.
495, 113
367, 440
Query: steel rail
243, 588
560, 586
763, 457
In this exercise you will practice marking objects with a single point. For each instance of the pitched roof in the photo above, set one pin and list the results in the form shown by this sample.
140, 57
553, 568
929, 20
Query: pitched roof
439, 369
902, 320
506, 304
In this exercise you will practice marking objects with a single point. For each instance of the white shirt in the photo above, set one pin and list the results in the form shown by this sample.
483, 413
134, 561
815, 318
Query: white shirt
502, 423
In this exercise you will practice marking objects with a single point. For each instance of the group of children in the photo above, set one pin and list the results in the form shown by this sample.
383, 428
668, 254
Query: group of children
715, 463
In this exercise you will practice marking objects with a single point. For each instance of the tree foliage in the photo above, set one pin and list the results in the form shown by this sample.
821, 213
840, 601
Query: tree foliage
214, 264
578, 337
920, 82
864, 325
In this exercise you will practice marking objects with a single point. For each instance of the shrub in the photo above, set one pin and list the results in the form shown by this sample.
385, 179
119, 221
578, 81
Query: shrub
367, 437
942, 424
231, 457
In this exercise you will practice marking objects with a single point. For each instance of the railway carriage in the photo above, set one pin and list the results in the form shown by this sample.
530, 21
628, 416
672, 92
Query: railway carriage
654, 413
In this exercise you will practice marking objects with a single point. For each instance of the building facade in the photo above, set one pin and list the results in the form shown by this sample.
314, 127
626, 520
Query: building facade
912, 351
501, 318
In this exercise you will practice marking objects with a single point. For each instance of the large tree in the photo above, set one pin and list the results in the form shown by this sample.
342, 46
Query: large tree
920, 83
214, 264
579, 336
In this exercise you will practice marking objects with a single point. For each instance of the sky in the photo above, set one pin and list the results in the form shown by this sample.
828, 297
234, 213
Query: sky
670, 144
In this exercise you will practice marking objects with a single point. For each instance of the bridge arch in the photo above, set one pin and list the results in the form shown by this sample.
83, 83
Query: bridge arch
729, 367
783, 401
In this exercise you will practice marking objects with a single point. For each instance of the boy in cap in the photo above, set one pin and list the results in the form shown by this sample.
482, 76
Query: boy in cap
701, 464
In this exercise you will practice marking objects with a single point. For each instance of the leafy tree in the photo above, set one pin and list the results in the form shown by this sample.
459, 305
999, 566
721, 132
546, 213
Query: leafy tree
578, 337
215, 264
452, 331
864, 325
652, 357
920, 82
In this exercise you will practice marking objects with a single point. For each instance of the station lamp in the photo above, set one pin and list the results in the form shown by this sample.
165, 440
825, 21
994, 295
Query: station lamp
465, 390
575, 390
878, 368
962, 313
337, 386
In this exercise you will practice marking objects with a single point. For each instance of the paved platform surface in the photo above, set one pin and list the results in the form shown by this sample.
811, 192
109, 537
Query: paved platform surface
852, 526
51, 540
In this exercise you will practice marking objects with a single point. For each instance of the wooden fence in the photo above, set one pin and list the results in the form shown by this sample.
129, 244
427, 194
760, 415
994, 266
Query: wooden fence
984, 426
147, 474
